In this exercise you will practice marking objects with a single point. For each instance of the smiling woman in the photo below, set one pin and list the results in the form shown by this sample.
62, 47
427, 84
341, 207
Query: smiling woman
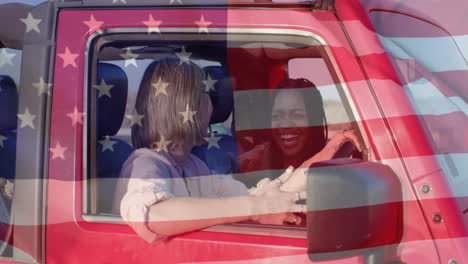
298, 121
301, 124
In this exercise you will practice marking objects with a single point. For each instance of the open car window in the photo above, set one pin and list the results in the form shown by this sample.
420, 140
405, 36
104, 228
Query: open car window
260, 124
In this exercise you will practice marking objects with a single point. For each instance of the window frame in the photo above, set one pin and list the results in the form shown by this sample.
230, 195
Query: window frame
89, 143
6, 249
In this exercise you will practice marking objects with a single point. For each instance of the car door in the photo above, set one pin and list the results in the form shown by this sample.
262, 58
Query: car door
78, 231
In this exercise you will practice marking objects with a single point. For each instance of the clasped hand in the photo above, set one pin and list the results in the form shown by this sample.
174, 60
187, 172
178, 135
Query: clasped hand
274, 206
276, 200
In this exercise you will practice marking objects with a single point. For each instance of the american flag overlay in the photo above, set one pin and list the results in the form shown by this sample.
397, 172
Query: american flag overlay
183, 131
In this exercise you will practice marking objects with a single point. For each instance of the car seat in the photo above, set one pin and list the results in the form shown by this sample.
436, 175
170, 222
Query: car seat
110, 114
218, 160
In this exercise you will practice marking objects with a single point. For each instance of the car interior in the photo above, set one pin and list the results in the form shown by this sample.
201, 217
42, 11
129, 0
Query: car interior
246, 69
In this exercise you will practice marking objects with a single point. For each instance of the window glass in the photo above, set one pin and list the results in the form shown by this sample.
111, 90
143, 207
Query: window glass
10, 68
290, 122
434, 73
316, 69
273, 104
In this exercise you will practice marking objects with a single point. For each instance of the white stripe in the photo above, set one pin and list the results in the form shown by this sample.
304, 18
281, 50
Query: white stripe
428, 100
424, 96
435, 54
462, 42
455, 167
246, 101
460, 103
418, 166
19, 254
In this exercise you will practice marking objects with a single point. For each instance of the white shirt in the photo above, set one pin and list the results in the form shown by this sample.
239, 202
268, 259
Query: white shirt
154, 177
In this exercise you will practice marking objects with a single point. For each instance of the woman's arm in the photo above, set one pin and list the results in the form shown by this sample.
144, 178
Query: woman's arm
181, 215
298, 180
269, 205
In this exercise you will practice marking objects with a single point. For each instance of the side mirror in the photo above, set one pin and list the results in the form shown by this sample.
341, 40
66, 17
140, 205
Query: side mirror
352, 207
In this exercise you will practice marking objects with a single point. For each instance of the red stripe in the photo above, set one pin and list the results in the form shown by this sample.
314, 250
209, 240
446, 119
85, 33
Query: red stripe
449, 83
452, 17
391, 24
456, 82
63, 237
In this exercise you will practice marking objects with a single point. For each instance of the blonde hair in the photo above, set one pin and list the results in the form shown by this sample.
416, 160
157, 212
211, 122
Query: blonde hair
161, 111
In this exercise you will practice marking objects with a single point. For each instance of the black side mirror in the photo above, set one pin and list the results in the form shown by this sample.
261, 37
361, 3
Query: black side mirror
352, 207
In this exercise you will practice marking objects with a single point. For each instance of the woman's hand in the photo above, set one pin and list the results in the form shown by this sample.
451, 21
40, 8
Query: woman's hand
298, 179
275, 207
332, 146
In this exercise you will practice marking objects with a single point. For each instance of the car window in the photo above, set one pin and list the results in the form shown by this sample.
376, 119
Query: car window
275, 103
432, 67
10, 68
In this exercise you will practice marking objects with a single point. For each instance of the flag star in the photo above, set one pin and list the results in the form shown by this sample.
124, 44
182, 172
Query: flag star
212, 141
153, 25
6, 58
160, 86
129, 58
163, 144
42, 87
107, 144
2, 138
93, 24
135, 119
68, 58
31, 23
171, 2
76, 116
27, 119
58, 151
187, 114
209, 83
116, 1
104, 89
203, 24
184, 56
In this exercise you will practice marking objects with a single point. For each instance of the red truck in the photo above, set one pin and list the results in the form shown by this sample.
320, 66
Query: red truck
395, 72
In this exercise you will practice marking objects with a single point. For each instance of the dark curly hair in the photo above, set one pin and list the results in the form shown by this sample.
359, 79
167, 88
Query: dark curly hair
317, 129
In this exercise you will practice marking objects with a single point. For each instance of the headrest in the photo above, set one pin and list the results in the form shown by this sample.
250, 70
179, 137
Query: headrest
222, 98
111, 109
8, 103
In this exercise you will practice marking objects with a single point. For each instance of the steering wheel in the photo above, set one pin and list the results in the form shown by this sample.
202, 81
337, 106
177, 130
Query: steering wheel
347, 150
